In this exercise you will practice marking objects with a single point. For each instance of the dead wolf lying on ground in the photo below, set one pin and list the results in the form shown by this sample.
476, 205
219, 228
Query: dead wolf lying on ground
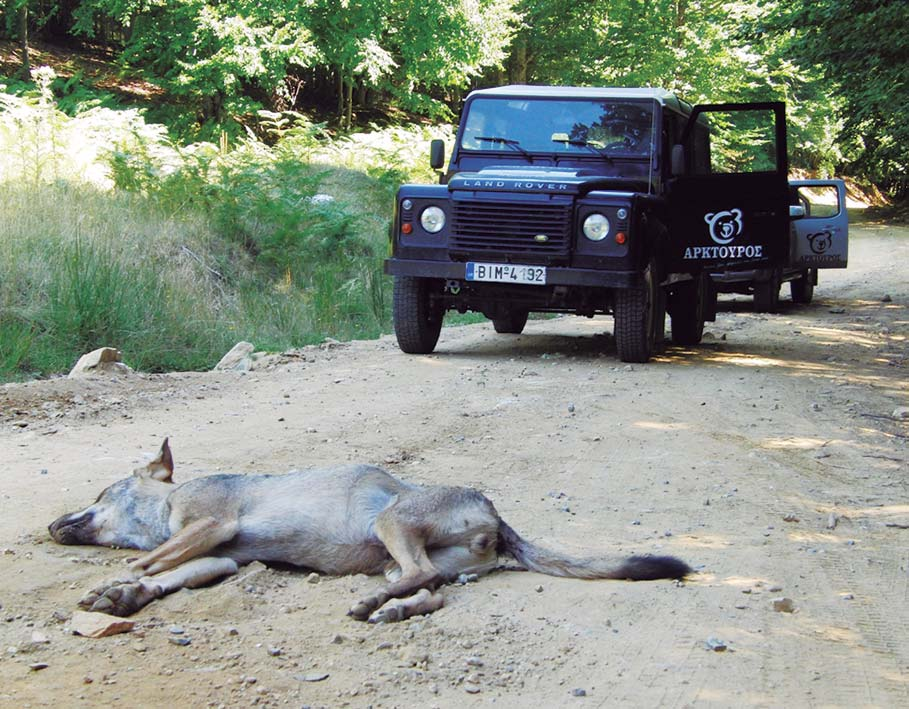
347, 520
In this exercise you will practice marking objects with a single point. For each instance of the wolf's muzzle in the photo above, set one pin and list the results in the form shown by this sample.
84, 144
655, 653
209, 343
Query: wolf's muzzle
72, 528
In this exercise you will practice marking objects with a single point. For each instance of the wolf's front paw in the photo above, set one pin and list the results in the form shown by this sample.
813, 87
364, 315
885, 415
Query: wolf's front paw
123, 599
90, 598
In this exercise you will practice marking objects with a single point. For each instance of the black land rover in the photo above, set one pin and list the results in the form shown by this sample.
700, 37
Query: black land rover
590, 201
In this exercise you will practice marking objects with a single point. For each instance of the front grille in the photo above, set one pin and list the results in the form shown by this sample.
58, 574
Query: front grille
510, 228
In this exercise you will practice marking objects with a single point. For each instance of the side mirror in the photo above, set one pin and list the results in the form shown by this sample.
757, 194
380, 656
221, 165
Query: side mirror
796, 211
437, 154
677, 161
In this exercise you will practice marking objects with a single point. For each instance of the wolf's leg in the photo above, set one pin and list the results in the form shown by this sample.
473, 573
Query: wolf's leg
126, 598
196, 538
406, 543
423, 602
193, 540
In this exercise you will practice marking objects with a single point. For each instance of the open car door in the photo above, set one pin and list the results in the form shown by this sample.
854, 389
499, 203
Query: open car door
821, 237
729, 193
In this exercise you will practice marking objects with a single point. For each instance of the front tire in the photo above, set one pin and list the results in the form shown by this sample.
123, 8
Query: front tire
802, 288
417, 319
635, 312
511, 324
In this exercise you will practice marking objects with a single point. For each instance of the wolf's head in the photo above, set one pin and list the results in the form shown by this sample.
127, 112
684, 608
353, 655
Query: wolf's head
128, 514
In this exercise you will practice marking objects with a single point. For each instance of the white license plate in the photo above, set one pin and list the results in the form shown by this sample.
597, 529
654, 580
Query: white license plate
506, 273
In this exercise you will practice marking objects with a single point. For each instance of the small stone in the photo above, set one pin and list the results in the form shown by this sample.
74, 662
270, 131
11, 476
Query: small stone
471, 688
239, 359
338, 639
181, 641
790, 518
39, 638
901, 413
313, 578
783, 605
312, 677
175, 630
886, 299
101, 360
99, 625
578, 692
848, 596
36, 666
474, 661
815, 406
571, 408
832, 520
837, 311
233, 631
539, 589
275, 651
716, 645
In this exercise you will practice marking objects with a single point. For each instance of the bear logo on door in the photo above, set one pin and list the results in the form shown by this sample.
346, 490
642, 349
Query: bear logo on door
724, 226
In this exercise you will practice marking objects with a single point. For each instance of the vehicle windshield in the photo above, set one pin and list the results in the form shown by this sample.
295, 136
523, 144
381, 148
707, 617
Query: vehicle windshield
608, 127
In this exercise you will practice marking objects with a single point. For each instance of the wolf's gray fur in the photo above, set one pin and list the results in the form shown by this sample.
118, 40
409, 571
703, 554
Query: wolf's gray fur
344, 520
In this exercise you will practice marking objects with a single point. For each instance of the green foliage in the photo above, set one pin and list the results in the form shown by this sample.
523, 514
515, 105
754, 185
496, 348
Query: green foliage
860, 46
173, 254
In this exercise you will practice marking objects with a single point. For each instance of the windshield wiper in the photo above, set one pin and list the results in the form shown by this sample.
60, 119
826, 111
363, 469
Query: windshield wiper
585, 144
510, 142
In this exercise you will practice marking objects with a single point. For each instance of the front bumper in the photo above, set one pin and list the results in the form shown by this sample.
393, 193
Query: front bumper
555, 275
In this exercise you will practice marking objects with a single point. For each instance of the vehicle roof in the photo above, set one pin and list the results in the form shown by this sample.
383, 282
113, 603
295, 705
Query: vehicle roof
583, 92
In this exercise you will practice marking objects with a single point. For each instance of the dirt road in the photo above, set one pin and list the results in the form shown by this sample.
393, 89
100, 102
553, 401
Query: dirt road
769, 458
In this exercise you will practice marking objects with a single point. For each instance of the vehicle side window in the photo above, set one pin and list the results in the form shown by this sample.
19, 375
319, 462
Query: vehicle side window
819, 201
742, 141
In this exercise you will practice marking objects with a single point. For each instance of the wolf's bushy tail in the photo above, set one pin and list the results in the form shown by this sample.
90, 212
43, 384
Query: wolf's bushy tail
546, 561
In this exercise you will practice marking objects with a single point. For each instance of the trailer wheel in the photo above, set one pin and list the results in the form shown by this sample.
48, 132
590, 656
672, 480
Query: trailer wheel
767, 294
417, 319
635, 312
687, 311
511, 324
802, 288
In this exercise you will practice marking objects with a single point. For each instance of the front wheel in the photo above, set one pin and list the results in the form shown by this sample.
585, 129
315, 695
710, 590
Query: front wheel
417, 319
802, 288
512, 324
636, 312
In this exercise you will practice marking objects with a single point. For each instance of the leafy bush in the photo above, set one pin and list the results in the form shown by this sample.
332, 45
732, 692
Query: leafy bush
112, 235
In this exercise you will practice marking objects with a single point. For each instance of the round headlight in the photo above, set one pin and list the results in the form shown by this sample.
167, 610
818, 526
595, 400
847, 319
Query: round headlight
432, 219
596, 227
407, 205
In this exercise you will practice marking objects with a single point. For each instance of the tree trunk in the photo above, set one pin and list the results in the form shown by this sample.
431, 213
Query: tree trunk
519, 62
340, 90
26, 68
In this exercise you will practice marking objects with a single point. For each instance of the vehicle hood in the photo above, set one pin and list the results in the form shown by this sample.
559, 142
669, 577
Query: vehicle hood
541, 180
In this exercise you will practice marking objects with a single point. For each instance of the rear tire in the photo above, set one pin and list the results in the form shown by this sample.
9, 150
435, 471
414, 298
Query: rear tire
417, 319
635, 313
686, 312
511, 324
802, 288
767, 294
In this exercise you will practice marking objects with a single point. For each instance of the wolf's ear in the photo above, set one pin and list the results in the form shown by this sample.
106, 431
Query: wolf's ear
162, 467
